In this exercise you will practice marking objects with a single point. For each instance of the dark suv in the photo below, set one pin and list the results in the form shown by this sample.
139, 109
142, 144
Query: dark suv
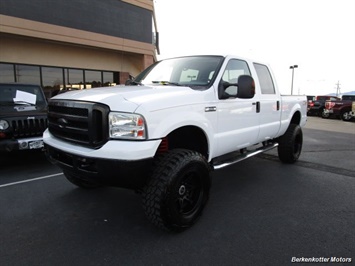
23, 116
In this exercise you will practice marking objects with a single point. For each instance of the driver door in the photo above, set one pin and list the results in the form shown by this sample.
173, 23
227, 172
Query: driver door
238, 120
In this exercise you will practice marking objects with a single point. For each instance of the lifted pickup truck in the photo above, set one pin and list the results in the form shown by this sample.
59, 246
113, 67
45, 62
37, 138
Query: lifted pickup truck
23, 116
163, 134
340, 108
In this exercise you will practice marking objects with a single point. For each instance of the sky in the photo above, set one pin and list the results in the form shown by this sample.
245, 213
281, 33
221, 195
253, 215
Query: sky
316, 35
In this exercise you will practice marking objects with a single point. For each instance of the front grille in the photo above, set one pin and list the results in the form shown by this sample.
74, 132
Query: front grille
23, 128
83, 123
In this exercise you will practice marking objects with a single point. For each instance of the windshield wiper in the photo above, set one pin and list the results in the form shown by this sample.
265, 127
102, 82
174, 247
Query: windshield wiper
162, 82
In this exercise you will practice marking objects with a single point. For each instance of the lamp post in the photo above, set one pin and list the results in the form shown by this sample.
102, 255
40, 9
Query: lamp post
293, 70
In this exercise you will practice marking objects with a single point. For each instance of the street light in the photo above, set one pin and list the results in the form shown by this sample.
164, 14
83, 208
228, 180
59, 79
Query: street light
293, 70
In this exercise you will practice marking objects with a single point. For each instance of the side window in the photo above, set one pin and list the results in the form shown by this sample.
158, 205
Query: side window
234, 69
266, 83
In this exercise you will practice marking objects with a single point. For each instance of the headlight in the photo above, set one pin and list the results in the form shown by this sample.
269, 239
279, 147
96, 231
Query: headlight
126, 126
4, 124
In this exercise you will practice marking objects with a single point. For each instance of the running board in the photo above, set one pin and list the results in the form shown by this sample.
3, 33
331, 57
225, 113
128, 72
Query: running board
243, 156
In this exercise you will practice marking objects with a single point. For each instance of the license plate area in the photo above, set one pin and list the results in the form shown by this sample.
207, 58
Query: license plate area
37, 144
31, 145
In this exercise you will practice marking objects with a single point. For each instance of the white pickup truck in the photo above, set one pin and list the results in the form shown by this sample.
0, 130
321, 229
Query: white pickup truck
166, 130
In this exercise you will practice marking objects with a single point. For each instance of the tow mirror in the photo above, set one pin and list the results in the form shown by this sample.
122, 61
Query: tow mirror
246, 87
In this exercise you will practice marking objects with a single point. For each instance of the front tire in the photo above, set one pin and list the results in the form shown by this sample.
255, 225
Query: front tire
290, 144
346, 116
178, 190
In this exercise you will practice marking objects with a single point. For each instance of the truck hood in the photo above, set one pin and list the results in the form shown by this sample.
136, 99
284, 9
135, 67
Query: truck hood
129, 98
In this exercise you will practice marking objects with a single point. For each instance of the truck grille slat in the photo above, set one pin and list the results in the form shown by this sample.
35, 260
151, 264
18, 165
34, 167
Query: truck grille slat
28, 127
84, 123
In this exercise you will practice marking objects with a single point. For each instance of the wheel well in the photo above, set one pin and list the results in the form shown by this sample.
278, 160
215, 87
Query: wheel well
296, 119
188, 137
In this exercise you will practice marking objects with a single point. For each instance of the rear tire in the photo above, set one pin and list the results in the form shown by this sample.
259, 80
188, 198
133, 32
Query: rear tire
290, 144
325, 115
178, 190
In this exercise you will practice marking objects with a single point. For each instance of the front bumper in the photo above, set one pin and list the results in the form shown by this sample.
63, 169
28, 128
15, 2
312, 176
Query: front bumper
107, 172
117, 163
9, 145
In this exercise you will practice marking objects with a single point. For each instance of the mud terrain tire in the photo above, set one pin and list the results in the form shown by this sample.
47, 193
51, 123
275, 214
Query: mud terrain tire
290, 144
178, 190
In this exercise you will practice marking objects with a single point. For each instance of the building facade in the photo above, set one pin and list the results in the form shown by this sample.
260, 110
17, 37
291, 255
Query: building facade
77, 44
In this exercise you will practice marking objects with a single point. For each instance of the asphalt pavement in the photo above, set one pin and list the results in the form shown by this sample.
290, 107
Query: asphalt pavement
260, 212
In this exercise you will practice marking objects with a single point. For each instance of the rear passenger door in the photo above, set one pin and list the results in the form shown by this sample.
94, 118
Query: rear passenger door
270, 105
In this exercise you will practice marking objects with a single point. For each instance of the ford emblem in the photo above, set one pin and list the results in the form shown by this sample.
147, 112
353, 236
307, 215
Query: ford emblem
62, 122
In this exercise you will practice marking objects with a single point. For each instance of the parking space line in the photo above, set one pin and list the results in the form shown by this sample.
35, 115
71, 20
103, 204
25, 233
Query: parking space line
29, 180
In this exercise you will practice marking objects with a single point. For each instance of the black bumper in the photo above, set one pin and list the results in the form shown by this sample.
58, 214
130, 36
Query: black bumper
8, 145
118, 173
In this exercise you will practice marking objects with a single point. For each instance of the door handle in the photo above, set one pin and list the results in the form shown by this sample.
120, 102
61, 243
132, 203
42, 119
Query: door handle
257, 106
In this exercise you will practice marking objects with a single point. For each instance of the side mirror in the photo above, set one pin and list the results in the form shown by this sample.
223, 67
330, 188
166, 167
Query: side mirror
128, 82
246, 87
222, 90
131, 82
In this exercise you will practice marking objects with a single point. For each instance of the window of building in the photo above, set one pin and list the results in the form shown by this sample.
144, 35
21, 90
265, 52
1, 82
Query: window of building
52, 80
265, 80
93, 79
27, 74
74, 79
55, 79
108, 79
7, 73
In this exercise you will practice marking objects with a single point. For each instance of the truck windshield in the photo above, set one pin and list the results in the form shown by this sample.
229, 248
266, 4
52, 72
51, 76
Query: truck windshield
197, 72
13, 94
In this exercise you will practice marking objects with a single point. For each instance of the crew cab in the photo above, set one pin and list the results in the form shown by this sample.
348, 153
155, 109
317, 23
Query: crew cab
23, 116
340, 108
166, 130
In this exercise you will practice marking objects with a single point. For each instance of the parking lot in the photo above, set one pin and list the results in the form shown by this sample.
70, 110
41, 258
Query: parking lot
260, 212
